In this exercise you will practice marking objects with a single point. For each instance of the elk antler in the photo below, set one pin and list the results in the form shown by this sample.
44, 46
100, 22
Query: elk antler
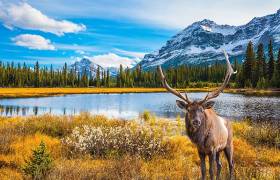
173, 91
216, 92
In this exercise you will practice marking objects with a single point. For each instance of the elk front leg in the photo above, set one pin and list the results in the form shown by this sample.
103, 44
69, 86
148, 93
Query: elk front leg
202, 165
212, 159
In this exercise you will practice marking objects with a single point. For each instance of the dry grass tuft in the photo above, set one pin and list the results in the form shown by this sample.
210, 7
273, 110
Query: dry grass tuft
256, 156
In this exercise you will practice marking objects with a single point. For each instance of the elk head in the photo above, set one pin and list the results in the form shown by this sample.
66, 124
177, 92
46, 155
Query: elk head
195, 109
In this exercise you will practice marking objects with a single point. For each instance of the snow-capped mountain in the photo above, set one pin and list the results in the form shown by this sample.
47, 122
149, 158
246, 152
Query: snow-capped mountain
85, 65
202, 42
88, 66
106, 62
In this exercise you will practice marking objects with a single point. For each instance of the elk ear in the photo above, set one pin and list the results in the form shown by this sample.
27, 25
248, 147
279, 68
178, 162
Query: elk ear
181, 104
208, 105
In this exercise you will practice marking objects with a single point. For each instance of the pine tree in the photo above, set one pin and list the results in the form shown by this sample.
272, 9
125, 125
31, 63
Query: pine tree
39, 164
260, 73
65, 75
37, 75
270, 68
98, 77
248, 63
51, 76
121, 76
108, 79
278, 63
276, 74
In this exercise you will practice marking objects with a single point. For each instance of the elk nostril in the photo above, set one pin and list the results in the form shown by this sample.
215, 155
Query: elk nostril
196, 123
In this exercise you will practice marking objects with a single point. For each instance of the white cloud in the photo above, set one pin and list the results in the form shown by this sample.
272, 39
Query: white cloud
33, 42
24, 16
81, 52
165, 13
139, 55
113, 60
75, 47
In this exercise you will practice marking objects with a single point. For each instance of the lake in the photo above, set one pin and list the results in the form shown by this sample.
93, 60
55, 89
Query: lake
130, 105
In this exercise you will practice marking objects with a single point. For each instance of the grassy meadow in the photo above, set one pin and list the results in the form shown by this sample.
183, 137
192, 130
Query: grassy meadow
42, 92
95, 147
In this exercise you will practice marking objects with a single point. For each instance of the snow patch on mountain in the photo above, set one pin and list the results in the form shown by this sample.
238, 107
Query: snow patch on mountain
105, 62
112, 60
202, 42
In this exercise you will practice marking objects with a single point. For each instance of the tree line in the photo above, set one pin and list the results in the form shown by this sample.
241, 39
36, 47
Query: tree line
12, 75
256, 71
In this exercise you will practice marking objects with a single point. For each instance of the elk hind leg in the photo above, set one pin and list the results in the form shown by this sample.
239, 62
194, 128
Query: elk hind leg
219, 165
229, 155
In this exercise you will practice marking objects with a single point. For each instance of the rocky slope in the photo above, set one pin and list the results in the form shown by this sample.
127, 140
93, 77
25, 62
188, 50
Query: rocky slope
202, 42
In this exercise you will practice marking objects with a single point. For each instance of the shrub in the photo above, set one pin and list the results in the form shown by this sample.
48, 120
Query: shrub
261, 133
248, 84
148, 118
104, 141
39, 164
264, 134
262, 83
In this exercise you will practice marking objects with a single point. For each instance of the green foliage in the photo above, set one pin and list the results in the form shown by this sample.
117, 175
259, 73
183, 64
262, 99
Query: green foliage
249, 62
271, 62
262, 84
248, 83
39, 164
251, 73
260, 64
255, 72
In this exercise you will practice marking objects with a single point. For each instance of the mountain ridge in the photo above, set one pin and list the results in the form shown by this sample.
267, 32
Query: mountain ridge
202, 42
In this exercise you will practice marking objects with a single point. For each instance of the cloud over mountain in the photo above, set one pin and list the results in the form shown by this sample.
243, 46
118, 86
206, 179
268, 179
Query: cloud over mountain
113, 60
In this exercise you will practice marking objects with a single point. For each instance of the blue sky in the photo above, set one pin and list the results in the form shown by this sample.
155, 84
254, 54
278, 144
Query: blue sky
109, 32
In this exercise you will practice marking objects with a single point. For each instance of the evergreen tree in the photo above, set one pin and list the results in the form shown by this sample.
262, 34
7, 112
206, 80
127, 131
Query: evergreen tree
276, 75
278, 63
98, 77
37, 75
270, 68
108, 79
65, 75
248, 63
39, 164
260, 64
121, 76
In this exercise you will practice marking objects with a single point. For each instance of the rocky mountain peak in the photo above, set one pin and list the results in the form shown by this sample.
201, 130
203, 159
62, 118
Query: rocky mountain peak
202, 42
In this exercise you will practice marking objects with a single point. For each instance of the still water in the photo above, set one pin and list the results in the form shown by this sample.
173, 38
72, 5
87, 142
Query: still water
130, 105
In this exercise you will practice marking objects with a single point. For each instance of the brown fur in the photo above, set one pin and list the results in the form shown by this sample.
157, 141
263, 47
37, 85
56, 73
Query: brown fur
211, 133
212, 136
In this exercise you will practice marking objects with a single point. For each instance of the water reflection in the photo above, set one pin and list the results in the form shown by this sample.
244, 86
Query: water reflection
128, 106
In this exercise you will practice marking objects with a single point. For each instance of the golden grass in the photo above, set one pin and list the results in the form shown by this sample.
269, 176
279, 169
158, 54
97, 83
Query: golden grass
8, 173
253, 160
42, 92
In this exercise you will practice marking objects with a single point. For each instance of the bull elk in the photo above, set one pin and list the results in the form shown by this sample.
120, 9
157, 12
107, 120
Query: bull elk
210, 133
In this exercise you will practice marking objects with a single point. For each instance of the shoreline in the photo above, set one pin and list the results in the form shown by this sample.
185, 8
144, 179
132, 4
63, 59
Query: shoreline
47, 92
